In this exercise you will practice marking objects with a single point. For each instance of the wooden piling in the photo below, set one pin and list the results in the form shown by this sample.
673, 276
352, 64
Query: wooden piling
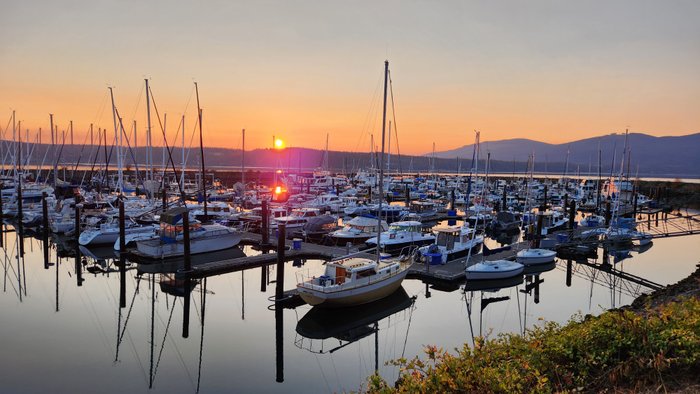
77, 220
281, 229
265, 225
538, 235
572, 214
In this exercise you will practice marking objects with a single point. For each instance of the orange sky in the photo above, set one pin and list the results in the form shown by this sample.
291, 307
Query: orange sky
548, 71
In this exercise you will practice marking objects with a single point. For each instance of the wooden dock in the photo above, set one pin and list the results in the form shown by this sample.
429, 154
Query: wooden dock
307, 251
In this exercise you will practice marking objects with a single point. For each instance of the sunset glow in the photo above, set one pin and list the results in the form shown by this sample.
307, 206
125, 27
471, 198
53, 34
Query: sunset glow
553, 72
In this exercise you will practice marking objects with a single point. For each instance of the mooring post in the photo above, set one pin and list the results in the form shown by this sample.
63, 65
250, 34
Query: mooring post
504, 205
186, 241
77, 220
538, 235
634, 204
544, 206
20, 223
164, 196
452, 199
407, 197
265, 225
656, 218
608, 214
122, 262
280, 260
369, 194
572, 214
566, 201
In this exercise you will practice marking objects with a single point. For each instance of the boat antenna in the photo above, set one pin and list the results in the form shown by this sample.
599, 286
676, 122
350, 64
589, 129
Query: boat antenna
381, 162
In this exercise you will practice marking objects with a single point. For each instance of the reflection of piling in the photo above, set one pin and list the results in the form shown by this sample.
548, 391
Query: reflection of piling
122, 262
265, 225
279, 294
186, 308
279, 343
186, 241
78, 268
568, 273
263, 278
188, 268
2, 224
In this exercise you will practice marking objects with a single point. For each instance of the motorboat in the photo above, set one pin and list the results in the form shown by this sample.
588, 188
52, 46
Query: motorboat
170, 242
357, 230
496, 269
353, 281
452, 242
296, 219
107, 233
401, 235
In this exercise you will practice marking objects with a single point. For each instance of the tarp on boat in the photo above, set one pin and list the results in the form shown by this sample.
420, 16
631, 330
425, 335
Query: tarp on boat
173, 215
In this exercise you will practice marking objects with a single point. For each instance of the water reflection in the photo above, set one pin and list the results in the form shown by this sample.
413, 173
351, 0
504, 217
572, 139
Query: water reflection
88, 320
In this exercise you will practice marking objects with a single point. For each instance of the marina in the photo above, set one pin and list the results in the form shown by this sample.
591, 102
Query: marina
367, 197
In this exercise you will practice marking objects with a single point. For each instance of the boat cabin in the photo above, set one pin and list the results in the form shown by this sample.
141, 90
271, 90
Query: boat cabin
171, 224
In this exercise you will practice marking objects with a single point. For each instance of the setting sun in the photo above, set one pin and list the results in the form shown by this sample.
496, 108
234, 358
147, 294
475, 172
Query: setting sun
279, 144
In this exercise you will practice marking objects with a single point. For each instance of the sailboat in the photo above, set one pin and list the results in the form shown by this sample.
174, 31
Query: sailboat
358, 280
531, 256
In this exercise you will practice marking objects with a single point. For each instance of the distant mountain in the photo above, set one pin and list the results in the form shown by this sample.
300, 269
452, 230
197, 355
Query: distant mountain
655, 156
669, 156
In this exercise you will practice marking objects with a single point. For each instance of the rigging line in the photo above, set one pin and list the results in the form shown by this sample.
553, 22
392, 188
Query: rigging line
396, 128
162, 345
410, 316
128, 144
100, 109
165, 141
131, 306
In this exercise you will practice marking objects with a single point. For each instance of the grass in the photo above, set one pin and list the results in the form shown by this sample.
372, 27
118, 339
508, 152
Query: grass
653, 348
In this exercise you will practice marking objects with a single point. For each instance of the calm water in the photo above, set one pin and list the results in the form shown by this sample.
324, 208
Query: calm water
61, 337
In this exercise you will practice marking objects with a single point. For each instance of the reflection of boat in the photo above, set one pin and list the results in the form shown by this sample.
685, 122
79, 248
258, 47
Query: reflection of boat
353, 281
99, 252
493, 284
355, 322
170, 284
539, 268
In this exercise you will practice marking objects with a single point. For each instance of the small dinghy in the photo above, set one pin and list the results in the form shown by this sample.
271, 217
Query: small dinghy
497, 269
536, 256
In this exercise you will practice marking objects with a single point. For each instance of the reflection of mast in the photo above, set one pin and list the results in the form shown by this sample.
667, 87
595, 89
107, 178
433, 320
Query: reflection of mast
201, 335
121, 330
152, 282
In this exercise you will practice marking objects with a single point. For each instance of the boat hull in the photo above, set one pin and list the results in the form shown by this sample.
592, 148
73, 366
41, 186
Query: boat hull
155, 249
353, 296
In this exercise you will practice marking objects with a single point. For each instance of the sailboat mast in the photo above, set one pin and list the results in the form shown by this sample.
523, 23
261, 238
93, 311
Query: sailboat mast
119, 153
55, 164
182, 175
149, 159
243, 159
201, 152
381, 162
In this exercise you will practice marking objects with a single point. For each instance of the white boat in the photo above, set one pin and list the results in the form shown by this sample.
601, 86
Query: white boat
453, 242
353, 281
357, 230
297, 219
535, 256
497, 269
593, 221
107, 233
170, 243
400, 235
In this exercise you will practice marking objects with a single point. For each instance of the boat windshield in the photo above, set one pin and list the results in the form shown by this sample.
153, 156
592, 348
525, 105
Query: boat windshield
446, 239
